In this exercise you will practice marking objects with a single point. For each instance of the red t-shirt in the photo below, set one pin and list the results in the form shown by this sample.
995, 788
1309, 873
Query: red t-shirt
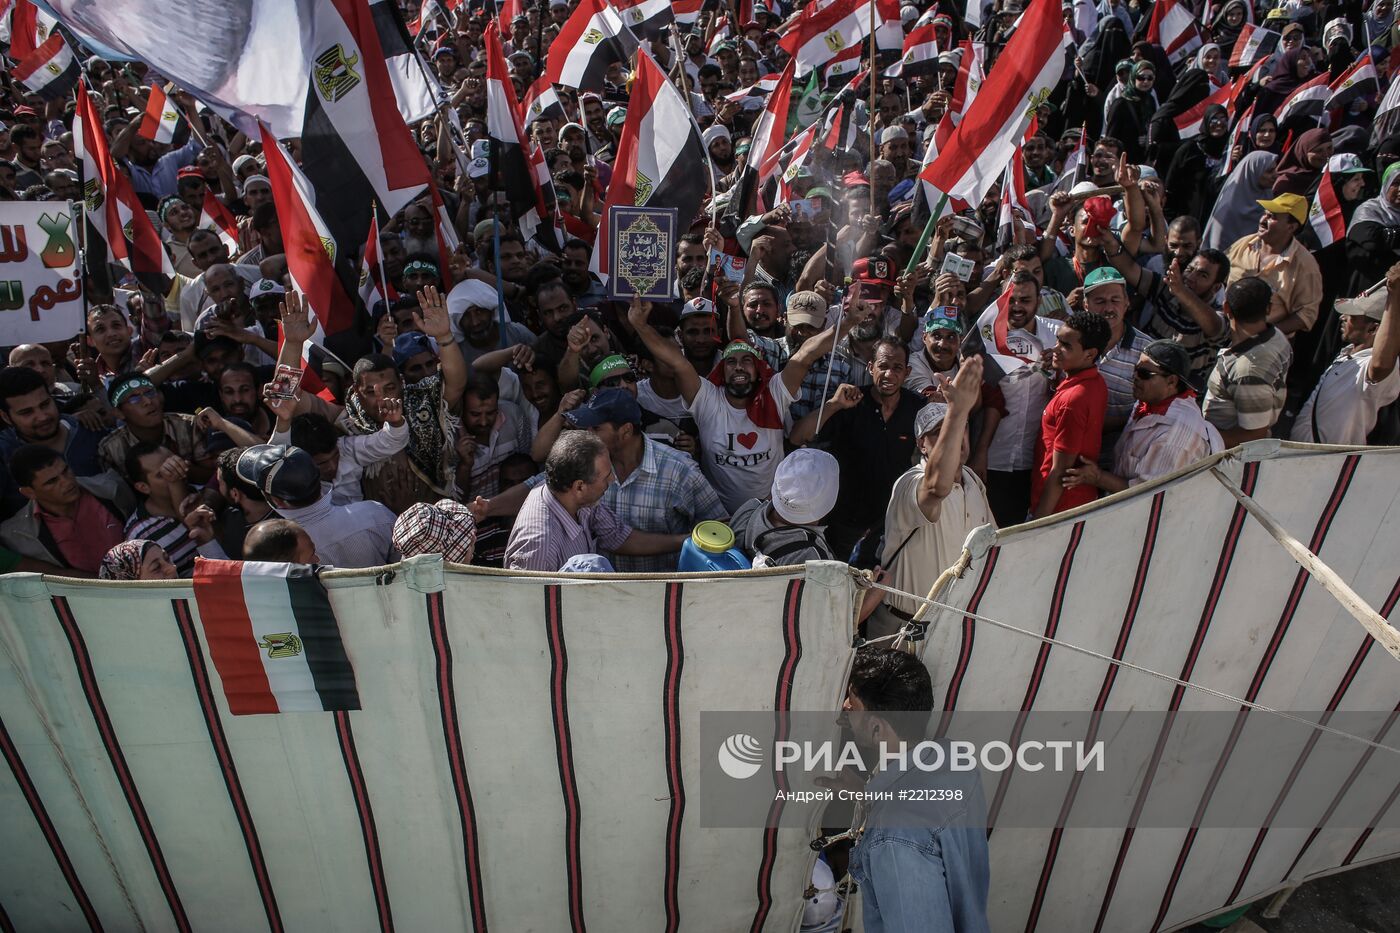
1072, 422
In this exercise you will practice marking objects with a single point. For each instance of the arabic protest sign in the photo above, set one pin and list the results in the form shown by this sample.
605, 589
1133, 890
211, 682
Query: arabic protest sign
40, 282
643, 254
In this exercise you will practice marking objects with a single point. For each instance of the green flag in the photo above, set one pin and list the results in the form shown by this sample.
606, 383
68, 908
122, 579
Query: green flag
809, 105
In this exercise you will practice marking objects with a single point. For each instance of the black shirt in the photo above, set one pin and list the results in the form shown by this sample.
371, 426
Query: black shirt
872, 454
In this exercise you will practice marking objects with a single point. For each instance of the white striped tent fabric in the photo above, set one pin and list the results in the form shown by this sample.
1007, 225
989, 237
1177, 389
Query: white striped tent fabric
1178, 578
522, 759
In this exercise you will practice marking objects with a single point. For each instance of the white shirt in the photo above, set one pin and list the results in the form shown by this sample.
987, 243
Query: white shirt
194, 299
1346, 401
737, 456
1154, 445
357, 451
1025, 390
356, 535
921, 372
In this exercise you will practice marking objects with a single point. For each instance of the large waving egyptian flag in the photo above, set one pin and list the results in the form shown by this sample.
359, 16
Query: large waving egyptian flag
592, 40
821, 33
1173, 28
648, 19
273, 637
992, 129
118, 229
660, 158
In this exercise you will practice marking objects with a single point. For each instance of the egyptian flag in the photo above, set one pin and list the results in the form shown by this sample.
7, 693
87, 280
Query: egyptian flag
1309, 100
717, 37
941, 138
44, 63
541, 102
801, 148
659, 156
920, 54
771, 127
1173, 28
355, 145
310, 249
1189, 122
273, 637
219, 219
374, 286
513, 173
1387, 113
1075, 167
1238, 137
970, 76
1325, 215
415, 87
648, 19
819, 35
1358, 81
753, 96
119, 228
510, 9
1013, 209
846, 62
161, 119
1254, 44
593, 40
1028, 69
687, 13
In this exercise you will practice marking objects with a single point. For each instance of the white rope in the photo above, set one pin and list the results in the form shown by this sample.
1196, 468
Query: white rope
1109, 659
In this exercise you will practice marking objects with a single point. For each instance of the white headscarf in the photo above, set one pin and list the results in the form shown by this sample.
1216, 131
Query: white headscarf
1237, 209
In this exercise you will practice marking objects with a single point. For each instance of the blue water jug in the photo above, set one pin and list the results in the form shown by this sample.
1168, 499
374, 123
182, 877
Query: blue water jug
710, 547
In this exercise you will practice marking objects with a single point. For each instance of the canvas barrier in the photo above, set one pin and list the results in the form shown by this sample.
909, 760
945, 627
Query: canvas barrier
521, 760
527, 754
1182, 578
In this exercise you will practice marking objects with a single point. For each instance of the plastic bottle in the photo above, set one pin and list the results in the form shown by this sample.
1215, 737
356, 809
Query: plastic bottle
709, 548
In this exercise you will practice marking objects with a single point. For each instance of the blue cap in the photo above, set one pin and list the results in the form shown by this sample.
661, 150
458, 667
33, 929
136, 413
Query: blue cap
904, 191
610, 406
409, 345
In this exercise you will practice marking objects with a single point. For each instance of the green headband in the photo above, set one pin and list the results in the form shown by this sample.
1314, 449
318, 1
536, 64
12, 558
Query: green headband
129, 385
420, 265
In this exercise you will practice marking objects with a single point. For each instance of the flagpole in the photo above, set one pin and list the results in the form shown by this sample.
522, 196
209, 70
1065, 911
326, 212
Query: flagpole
927, 235
378, 251
870, 117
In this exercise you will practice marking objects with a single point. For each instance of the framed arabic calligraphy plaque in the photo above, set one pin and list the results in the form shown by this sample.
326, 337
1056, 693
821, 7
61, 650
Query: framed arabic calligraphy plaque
642, 252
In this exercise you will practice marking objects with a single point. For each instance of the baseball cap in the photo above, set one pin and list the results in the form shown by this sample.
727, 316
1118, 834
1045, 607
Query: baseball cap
607, 406
806, 307
122, 387
1371, 307
929, 418
479, 168
445, 527
409, 345
697, 306
805, 486
875, 269
851, 179
264, 288
1172, 357
444, 52
943, 317
737, 347
283, 472
616, 116
1346, 163
891, 133
1104, 275
1295, 206
610, 366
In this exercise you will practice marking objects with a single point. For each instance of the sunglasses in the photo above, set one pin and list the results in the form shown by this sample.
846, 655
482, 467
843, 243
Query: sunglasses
1144, 373
617, 382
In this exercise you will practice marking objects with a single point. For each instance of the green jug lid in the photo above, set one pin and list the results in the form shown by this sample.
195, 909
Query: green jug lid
713, 537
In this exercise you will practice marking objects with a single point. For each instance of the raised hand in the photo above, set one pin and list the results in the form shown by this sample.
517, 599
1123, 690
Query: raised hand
297, 323
432, 316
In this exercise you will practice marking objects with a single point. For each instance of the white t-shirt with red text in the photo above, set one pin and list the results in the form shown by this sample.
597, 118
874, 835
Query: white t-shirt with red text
737, 456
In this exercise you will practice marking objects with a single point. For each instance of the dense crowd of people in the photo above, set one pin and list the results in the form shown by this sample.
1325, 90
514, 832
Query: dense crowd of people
827, 381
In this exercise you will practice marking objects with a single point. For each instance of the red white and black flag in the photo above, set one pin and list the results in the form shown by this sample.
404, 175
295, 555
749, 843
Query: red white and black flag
1173, 29
374, 285
772, 125
273, 637
161, 118
592, 40
659, 156
1309, 100
119, 228
44, 63
822, 32
920, 54
648, 19
1254, 44
541, 102
509, 151
218, 219
1189, 122
1027, 71
1325, 216
971, 76
1358, 81
415, 87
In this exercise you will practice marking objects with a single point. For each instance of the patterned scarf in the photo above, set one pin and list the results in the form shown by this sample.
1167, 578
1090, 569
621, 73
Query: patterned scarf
123, 561
429, 427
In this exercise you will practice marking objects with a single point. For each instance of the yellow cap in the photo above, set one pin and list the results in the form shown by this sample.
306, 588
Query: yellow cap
713, 537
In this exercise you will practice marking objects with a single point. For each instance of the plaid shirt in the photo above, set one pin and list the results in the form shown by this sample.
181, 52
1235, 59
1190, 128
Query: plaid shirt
776, 354
666, 494
182, 437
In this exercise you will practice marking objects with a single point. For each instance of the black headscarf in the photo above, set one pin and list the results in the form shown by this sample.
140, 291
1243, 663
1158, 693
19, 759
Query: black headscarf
1104, 51
1163, 139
